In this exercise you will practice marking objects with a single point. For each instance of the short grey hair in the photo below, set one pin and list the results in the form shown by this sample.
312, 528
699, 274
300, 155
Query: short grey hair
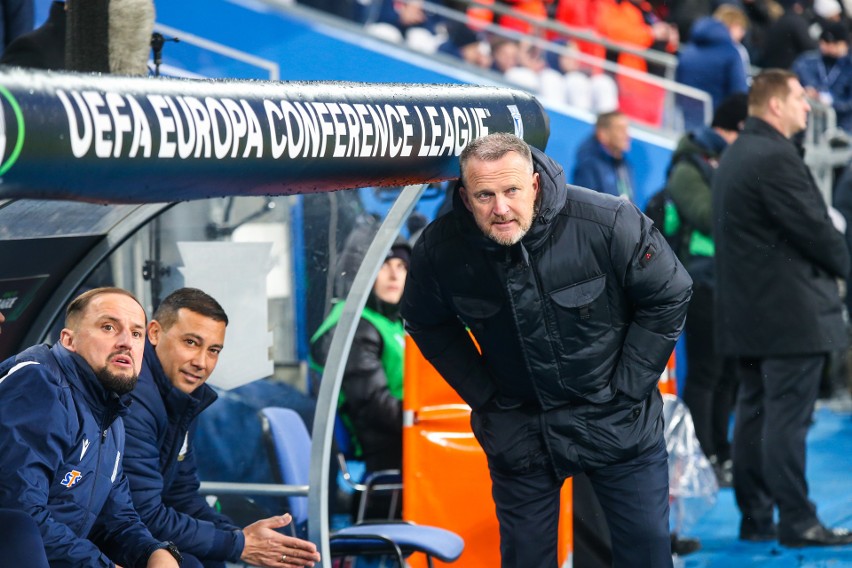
493, 147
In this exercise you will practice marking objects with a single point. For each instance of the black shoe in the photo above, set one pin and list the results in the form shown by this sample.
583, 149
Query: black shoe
818, 535
752, 533
684, 545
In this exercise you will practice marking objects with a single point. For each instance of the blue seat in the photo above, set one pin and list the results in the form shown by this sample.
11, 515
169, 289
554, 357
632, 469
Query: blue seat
291, 450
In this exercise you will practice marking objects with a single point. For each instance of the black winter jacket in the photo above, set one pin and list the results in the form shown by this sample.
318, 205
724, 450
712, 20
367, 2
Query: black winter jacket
777, 253
577, 320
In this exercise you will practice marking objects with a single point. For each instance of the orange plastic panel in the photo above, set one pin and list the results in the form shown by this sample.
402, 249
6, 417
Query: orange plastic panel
668, 379
445, 471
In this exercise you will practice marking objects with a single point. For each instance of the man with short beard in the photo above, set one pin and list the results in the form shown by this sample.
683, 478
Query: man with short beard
576, 301
62, 437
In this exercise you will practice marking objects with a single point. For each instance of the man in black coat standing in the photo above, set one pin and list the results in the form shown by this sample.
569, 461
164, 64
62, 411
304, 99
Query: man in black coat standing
778, 309
576, 301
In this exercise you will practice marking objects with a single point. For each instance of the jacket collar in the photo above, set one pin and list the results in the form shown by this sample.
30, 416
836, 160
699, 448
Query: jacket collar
552, 196
105, 404
177, 402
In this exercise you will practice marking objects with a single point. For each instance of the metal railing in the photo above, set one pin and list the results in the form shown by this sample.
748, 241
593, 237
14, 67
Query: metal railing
672, 120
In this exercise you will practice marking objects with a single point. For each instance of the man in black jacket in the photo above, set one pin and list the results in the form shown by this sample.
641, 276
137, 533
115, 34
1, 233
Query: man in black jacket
576, 302
778, 309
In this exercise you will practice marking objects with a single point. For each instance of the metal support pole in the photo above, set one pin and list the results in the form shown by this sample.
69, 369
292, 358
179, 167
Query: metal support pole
323, 428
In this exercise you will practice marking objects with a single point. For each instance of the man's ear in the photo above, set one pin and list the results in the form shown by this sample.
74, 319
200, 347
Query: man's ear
465, 198
154, 331
66, 338
774, 105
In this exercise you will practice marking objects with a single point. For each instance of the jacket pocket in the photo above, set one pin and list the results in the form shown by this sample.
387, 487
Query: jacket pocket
582, 312
511, 439
477, 313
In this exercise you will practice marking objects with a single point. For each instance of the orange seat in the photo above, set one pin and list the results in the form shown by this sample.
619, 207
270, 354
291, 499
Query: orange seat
445, 472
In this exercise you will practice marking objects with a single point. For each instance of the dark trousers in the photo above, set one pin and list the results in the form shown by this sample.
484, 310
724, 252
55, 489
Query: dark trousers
774, 410
634, 496
711, 382
20, 540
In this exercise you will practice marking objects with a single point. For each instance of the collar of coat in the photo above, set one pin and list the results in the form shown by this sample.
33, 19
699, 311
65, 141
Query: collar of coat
176, 401
104, 404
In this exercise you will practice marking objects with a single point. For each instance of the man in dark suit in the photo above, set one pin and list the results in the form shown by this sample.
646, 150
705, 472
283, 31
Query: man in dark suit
778, 309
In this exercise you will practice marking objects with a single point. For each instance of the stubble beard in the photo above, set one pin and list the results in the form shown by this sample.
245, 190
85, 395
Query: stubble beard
509, 240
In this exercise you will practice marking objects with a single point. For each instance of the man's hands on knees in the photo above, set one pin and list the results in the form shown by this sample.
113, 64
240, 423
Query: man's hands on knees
267, 547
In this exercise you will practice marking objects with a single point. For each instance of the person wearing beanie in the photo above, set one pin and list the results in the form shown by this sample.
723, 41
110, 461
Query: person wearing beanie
709, 388
826, 73
465, 43
370, 402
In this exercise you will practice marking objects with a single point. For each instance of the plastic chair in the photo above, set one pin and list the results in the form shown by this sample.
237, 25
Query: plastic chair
291, 450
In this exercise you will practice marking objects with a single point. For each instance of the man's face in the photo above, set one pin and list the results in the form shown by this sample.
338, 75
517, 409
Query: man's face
110, 336
189, 349
391, 281
616, 136
501, 194
2, 319
836, 49
794, 109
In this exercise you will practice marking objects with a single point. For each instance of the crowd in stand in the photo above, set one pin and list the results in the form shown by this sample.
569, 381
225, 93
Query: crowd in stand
714, 43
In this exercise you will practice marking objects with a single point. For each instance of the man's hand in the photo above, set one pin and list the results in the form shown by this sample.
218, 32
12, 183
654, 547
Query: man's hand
162, 558
267, 547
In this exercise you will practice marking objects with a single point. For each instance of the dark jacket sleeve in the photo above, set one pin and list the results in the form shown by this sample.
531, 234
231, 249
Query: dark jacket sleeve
162, 512
440, 335
659, 288
365, 384
36, 420
793, 202
126, 538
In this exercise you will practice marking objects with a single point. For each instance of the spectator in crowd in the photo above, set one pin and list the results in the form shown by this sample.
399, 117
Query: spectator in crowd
371, 392
464, 43
406, 22
601, 163
633, 23
527, 73
505, 54
787, 37
575, 304
62, 436
710, 384
778, 309
16, 18
42, 48
711, 62
827, 11
761, 14
826, 73
185, 338
520, 17
567, 80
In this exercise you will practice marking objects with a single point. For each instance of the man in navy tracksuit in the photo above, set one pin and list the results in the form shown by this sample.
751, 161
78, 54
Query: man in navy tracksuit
186, 335
62, 437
